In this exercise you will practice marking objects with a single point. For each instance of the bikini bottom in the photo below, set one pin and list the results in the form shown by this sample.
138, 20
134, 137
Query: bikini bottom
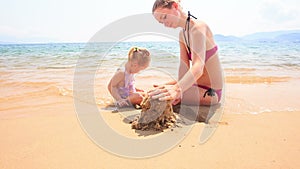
210, 91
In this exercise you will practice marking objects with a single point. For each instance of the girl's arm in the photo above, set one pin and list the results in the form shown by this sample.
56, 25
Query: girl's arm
114, 83
139, 90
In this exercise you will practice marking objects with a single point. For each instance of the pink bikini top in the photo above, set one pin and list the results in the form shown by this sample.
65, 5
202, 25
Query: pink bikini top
209, 53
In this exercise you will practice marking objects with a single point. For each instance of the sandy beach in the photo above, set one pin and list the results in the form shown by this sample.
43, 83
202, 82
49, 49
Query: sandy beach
41, 130
57, 59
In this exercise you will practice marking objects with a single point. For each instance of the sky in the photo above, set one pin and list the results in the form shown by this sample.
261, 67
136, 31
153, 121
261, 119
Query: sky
79, 20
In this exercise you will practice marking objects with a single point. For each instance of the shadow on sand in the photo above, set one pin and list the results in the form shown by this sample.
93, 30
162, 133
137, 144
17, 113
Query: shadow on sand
186, 115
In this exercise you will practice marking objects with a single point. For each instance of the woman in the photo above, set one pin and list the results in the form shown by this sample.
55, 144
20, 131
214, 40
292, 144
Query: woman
200, 72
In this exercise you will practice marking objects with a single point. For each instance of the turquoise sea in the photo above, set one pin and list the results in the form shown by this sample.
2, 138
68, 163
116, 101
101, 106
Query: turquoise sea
266, 58
33, 69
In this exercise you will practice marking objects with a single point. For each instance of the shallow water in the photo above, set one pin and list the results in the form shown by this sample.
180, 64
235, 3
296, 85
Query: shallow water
45, 70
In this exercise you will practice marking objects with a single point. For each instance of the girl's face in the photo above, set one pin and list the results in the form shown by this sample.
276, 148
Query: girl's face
169, 17
136, 68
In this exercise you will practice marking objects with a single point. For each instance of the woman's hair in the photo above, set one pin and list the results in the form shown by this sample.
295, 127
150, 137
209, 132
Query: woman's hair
141, 55
163, 4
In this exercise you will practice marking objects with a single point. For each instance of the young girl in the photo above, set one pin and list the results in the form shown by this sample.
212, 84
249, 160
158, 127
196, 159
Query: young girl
121, 85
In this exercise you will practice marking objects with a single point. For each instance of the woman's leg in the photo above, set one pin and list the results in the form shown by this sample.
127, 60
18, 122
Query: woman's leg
194, 96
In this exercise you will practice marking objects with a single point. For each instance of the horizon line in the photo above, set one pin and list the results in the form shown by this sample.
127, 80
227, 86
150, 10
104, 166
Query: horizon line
151, 40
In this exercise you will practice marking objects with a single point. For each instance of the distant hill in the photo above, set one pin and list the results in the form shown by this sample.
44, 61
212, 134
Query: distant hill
276, 35
219, 37
290, 35
295, 37
287, 35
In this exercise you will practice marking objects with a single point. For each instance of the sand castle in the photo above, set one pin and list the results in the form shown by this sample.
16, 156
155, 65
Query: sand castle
155, 115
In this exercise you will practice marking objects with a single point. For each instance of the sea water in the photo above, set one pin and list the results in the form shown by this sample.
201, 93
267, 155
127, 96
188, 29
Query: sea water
272, 58
44, 66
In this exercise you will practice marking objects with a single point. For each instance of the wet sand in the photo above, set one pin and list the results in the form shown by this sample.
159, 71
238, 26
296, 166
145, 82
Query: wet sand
258, 128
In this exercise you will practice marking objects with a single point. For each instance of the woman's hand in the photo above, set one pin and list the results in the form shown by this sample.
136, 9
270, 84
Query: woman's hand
166, 92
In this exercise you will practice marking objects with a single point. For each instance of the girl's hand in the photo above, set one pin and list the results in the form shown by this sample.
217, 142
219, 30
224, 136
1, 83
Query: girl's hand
122, 103
168, 83
158, 85
139, 90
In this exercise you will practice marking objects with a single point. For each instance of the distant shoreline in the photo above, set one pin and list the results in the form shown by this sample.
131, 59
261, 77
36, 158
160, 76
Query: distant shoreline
283, 35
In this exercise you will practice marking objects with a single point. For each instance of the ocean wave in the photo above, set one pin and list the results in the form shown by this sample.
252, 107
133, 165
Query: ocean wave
291, 66
256, 79
57, 67
240, 69
19, 91
245, 106
268, 110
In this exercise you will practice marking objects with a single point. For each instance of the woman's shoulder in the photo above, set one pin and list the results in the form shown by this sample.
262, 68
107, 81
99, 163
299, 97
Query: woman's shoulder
200, 26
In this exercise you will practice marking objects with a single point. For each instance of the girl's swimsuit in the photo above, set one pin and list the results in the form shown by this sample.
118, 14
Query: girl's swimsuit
208, 54
129, 86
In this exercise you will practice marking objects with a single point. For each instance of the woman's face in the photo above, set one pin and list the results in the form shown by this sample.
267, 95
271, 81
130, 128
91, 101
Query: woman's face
169, 17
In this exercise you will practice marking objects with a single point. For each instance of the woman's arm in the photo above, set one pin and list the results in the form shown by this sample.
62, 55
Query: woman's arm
184, 64
198, 48
187, 76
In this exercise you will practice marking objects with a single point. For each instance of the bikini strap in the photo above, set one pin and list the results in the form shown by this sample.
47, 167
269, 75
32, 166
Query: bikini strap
187, 27
210, 92
190, 15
